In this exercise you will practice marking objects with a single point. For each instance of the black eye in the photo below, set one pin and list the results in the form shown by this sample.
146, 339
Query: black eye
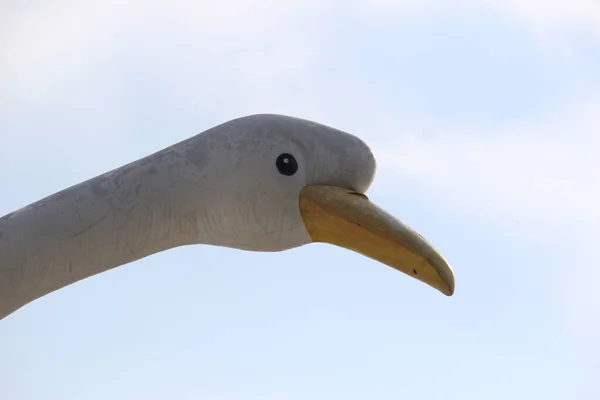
286, 164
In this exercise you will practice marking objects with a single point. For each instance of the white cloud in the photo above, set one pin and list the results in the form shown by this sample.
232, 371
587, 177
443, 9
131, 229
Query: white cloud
555, 23
575, 14
539, 178
50, 44
542, 170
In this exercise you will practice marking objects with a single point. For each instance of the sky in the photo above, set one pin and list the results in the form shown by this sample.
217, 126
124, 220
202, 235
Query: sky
483, 117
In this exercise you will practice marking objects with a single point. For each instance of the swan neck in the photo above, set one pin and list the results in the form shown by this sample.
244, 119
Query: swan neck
137, 210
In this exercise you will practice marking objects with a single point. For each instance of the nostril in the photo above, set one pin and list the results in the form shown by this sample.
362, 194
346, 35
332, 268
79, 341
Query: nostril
364, 196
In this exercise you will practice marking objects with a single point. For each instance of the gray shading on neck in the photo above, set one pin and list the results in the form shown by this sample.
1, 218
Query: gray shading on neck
107, 221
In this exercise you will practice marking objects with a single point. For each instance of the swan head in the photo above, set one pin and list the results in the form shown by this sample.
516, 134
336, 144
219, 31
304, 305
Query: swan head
272, 182
258, 183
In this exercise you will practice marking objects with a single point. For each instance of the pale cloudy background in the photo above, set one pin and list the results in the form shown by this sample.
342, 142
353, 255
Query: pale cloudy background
484, 117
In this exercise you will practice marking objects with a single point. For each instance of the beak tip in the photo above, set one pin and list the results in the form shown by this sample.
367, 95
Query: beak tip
445, 283
445, 276
450, 286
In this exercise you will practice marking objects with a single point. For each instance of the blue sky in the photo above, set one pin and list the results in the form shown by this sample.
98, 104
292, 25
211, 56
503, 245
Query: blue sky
484, 121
